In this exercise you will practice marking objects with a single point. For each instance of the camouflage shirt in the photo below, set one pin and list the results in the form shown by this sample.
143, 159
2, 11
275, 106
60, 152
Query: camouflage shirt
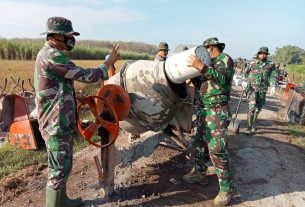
218, 86
241, 65
55, 95
259, 74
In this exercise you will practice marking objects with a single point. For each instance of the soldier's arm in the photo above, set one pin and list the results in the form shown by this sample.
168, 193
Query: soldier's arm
218, 71
62, 66
273, 76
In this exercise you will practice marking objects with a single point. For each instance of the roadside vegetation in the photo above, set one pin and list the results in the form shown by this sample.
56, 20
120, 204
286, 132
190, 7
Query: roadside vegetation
298, 135
27, 49
296, 73
294, 58
13, 158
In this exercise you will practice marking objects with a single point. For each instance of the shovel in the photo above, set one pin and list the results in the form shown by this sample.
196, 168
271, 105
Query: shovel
235, 123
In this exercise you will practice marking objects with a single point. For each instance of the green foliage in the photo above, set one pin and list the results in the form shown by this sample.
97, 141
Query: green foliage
298, 135
297, 69
296, 73
19, 50
79, 144
94, 53
27, 49
124, 46
289, 55
13, 159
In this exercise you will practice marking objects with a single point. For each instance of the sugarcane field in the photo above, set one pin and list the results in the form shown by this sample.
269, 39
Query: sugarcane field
133, 104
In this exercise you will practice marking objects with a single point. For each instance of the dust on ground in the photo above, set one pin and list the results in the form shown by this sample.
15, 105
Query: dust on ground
268, 170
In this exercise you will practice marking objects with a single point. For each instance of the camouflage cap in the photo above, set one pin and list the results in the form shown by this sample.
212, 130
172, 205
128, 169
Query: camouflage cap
163, 46
263, 50
213, 41
59, 25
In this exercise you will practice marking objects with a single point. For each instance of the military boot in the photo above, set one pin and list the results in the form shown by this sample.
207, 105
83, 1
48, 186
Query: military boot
196, 177
254, 120
250, 129
224, 198
53, 197
67, 202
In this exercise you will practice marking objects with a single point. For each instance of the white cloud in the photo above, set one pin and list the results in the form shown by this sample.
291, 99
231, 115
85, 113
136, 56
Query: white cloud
20, 19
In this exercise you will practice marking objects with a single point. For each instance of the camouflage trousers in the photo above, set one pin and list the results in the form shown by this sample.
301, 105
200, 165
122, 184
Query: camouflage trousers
59, 149
256, 101
210, 142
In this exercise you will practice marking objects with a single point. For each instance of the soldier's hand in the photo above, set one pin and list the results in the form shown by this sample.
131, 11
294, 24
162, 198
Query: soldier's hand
195, 62
114, 56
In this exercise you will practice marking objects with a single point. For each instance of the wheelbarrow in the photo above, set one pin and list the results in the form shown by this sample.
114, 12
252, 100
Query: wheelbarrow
235, 123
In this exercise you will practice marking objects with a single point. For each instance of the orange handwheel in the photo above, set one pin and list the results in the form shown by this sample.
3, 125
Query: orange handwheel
118, 97
106, 121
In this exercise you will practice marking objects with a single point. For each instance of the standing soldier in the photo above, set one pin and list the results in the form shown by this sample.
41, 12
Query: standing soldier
162, 52
239, 66
214, 121
56, 103
258, 73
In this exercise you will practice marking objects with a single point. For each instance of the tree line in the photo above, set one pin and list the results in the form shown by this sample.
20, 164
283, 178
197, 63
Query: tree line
27, 49
289, 55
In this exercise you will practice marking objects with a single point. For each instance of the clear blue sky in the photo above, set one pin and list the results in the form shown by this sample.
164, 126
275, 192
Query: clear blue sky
243, 25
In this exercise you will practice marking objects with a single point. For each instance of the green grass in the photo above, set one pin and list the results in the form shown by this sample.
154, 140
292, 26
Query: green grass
298, 135
28, 49
13, 159
296, 73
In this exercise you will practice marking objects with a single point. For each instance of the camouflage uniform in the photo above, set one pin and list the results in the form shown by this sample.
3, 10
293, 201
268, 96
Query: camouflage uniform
240, 66
56, 103
210, 140
274, 75
162, 46
259, 74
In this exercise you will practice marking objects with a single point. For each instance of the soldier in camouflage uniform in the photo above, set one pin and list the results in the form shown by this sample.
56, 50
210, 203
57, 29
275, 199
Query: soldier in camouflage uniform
259, 74
56, 103
215, 116
162, 52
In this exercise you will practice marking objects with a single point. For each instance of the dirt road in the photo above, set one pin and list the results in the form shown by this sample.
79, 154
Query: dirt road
268, 170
